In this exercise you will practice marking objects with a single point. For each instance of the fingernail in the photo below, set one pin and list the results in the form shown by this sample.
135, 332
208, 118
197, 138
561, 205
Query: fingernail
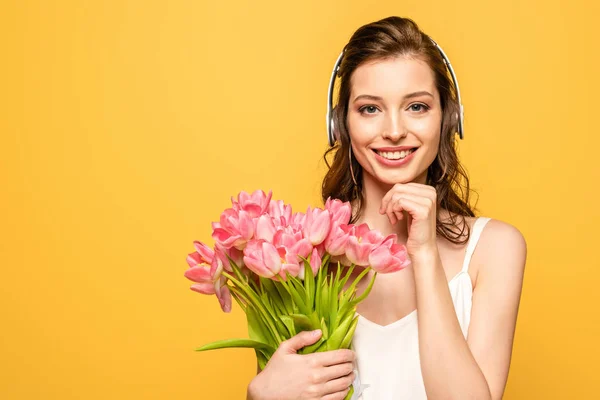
316, 332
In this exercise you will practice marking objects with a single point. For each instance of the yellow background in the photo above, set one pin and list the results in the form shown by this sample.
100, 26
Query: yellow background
127, 125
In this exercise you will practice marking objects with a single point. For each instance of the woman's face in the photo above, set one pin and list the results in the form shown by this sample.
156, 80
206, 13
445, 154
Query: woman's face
394, 105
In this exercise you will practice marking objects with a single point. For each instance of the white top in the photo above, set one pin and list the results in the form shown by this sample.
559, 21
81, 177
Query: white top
387, 357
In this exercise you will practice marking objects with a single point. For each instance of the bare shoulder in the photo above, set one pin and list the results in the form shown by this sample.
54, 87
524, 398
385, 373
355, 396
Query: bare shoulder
499, 237
501, 250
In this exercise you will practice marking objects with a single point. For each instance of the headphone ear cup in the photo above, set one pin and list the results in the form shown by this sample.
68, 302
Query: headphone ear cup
334, 130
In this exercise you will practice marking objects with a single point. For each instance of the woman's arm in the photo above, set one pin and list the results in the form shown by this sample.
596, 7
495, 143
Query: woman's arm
477, 368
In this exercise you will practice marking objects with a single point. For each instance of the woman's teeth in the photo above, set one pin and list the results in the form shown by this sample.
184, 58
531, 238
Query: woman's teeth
395, 155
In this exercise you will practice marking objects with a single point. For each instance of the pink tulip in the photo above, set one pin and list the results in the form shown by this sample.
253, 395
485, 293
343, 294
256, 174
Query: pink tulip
255, 205
317, 225
200, 265
234, 229
204, 252
204, 287
337, 240
262, 258
315, 261
225, 254
265, 228
298, 220
280, 212
224, 297
388, 258
293, 242
290, 245
340, 211
218, 288
361, 243
291, 266
205, 269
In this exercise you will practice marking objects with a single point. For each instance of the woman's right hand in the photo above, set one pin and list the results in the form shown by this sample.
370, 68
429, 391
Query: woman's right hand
292, 376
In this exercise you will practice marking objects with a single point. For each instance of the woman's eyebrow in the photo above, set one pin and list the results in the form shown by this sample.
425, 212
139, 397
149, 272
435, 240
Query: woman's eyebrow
408, 96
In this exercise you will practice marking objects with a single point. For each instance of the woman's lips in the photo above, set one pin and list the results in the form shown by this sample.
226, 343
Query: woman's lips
394, 163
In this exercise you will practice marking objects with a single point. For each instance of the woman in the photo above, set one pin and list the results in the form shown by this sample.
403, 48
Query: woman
443, 327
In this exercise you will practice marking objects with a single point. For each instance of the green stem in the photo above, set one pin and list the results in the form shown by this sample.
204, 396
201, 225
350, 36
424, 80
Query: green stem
257, 303
366, 291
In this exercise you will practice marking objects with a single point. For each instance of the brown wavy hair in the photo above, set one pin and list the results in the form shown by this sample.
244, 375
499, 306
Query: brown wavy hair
384, 39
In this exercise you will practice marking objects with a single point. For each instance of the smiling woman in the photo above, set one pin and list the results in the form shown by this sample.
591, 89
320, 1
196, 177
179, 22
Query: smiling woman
443, 327
402, 70
395, 159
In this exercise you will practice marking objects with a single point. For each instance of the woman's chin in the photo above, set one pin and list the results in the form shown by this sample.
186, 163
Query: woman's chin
392, 179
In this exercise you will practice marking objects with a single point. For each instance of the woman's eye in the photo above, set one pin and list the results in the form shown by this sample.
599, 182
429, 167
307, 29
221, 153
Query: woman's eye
370, 108
423, 107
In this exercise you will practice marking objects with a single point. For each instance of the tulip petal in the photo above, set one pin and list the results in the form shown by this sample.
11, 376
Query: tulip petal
198, 274
194, 259
204, 288
205, 252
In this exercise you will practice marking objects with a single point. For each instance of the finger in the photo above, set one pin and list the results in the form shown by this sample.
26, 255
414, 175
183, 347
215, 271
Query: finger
396, 205
385, 201
333, 357
414, 188
336, 396
413, 197
390, 203
302, 339
399, 215
426, 190
416, 210
339, 384
397, 188
392, 216
337, 371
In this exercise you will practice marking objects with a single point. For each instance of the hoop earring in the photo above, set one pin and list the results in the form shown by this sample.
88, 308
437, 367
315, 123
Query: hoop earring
444, 171
350, 161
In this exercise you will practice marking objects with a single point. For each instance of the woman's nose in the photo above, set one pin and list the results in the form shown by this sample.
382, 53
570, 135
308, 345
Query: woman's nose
393, 129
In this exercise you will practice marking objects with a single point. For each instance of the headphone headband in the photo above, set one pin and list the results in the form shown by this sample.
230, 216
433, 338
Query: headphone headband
336, 67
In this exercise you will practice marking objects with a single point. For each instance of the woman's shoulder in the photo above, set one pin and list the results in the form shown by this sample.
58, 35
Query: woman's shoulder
501, 251
495, 230
502, 235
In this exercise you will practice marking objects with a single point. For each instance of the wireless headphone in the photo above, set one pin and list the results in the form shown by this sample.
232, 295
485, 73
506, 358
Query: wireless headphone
332, 134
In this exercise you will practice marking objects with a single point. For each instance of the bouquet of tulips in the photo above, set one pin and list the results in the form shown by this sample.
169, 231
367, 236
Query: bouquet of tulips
290, 272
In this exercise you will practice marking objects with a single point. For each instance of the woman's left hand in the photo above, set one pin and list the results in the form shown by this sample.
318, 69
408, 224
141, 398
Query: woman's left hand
419, 202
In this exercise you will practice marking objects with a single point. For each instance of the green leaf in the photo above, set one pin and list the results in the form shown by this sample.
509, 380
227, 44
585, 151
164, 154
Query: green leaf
238, 272
261, 358
256, 328
313, 348
324, 300
324, 329
347, 341
242, 343
335, 340
333, 300
296, 296
309, 284
302, 322
350, 393
358, 279
346, 277
319, 291
289, 324
284, 295
253, 299
366, 291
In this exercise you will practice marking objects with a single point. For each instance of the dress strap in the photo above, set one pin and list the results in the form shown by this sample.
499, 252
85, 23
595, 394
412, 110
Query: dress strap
475, 234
